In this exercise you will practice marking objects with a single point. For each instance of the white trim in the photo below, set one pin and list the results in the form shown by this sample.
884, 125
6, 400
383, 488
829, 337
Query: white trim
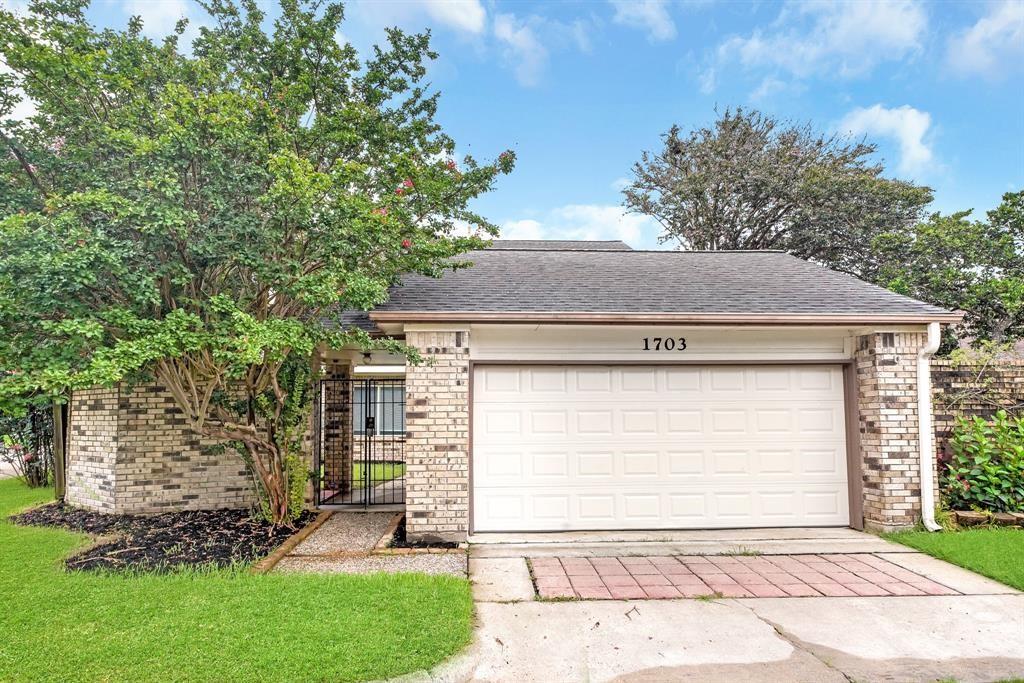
625, 343
926, 433
378, 370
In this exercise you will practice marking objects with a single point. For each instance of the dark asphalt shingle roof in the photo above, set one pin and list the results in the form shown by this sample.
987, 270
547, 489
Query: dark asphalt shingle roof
589, 281
552, 245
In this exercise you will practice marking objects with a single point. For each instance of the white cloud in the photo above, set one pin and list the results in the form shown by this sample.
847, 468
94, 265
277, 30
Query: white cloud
847, 38
992, 47
771, 86
521, 47
463, 15
707, 80
586, 222
650, 15
905, 125
525, 229
620, 184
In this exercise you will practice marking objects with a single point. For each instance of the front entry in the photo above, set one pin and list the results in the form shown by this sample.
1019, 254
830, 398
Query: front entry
606, 447
360, 442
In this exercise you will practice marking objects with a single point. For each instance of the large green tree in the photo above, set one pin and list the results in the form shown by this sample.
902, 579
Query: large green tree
964, 264
190, 214
750, 181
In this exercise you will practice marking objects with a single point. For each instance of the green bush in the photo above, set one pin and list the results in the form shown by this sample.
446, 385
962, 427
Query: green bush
986, 471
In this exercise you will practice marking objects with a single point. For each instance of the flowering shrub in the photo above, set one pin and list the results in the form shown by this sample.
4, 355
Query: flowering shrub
26, 444
986, 470
30, 466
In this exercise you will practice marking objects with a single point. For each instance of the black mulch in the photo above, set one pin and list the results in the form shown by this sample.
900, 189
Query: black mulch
173, 540
400, 541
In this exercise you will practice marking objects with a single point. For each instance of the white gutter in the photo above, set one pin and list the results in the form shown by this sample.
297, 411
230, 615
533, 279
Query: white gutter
926, 433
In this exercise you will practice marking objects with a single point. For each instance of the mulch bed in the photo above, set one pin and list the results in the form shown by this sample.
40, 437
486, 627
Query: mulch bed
166, 542
400, 541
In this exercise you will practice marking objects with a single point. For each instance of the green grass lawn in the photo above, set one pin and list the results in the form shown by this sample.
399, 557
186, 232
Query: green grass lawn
380, 472
996, 552
211, 626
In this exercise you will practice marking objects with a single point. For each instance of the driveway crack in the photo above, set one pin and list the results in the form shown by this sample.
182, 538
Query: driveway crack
796, 643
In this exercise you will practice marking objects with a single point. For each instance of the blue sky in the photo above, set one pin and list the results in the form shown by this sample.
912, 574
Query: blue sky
580, 89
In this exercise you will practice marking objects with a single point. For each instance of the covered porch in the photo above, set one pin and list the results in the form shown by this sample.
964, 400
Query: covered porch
359, 437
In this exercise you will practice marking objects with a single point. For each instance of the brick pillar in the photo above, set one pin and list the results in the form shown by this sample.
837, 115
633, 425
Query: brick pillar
337, 426
437, 436
92, 449
887, 406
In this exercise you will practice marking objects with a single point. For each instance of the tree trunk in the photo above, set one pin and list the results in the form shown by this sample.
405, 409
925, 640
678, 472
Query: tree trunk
59, 459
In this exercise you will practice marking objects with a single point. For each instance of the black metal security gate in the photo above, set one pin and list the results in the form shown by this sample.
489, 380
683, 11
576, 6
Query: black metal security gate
360, 442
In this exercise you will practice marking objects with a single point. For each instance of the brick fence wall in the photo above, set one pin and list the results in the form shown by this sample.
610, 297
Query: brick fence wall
131, 451
973, 389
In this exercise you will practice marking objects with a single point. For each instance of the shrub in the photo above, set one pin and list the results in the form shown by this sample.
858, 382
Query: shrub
26, 445
986, 470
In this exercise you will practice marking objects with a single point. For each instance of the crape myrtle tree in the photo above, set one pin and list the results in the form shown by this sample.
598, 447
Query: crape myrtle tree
192, 214
750, 181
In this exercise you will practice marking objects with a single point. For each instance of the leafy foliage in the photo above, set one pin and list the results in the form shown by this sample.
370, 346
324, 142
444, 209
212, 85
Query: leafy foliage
194, 218
964, 264
26, 444
986, 471
753, 182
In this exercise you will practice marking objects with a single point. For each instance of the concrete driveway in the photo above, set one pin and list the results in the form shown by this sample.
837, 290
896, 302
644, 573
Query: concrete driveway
973, 632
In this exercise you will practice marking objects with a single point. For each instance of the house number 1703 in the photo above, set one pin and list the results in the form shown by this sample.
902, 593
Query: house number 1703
664, 343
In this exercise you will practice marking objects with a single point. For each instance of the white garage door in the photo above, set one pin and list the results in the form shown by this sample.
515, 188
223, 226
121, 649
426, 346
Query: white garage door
604, 447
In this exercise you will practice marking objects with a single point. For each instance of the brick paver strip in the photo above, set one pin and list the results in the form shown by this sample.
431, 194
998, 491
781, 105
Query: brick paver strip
690, 576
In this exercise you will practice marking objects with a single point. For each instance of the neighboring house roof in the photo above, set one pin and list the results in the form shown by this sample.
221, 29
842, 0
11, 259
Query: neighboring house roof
564, 285
553, 245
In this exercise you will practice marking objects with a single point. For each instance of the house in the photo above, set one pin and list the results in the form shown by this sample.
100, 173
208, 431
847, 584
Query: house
587, 386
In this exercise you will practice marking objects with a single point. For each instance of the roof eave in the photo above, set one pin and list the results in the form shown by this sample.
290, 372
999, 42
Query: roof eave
624, 318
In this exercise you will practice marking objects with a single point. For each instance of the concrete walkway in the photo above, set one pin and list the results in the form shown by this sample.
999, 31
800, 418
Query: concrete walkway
700, 542
7, 471
975, 636
967, 638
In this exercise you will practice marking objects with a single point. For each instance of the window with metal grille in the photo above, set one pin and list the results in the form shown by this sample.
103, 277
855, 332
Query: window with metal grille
386, 405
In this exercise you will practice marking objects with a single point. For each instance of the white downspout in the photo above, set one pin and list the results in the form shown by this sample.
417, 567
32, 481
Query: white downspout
926, 433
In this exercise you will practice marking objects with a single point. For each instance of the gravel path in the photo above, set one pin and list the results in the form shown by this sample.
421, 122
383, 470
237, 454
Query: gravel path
424, 563
346, 532
344, 543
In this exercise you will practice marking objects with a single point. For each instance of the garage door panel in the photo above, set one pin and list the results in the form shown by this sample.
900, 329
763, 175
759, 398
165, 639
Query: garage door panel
717, 422
542, 466
638, 508
658, 447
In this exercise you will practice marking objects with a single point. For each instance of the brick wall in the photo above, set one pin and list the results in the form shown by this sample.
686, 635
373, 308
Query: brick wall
131, 451
437, 436
92, 449
162, 465
886, 365
973, 389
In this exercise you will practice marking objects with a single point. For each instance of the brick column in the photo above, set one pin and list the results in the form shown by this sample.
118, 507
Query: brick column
887, 406
92, 449
437, 436
337, 426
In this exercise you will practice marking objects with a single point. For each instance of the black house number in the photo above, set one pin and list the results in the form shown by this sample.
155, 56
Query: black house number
664, 343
